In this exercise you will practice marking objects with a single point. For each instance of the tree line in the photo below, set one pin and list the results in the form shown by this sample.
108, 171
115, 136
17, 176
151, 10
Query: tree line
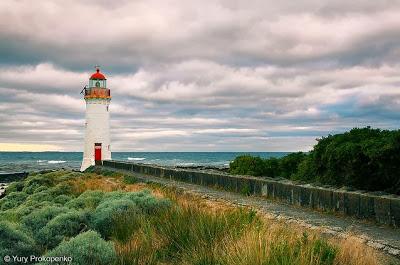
362, 158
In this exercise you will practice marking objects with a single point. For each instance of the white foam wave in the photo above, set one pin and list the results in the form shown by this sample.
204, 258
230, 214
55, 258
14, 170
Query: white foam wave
56, 161
136, 158
41, 161
185, 164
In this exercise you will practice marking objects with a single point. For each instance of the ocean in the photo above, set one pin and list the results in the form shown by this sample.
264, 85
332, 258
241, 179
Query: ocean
34, 161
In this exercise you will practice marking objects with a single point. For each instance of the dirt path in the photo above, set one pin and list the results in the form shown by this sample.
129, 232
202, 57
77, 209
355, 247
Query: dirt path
384, 239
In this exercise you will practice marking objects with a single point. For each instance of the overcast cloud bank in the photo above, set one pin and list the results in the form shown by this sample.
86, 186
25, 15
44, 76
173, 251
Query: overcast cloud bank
185, 76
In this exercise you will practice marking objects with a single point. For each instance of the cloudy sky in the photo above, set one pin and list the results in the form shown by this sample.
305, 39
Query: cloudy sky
198, 75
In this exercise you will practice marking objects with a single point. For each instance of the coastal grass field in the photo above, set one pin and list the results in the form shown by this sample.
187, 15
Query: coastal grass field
107, 218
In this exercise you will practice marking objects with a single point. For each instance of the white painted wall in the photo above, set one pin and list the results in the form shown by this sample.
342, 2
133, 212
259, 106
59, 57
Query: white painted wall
97, 130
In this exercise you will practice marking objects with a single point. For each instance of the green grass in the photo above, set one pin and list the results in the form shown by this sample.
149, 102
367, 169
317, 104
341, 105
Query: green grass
48, 215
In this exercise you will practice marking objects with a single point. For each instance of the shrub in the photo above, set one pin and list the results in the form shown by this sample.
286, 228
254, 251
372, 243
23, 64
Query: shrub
86, 248
28, 207
63, 226
88, 199
119, 203
362, 158
40, 217
62, 199
15, 186
12, 200
130, 179
40, 196
14, 241
247, 165
34, 182
146, 202
289, 164
271, 167
61, 189
103, 216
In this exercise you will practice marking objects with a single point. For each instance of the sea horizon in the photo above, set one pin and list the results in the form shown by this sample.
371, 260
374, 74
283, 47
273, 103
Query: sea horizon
11, 161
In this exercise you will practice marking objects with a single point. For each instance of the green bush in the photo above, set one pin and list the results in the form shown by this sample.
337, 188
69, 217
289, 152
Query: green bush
63, 226
364, 158
289, 164
86, 248
271, 167
37, 219
130, 179
15, 186
40, 196
88, 199
34, 182
12, 200
247, 165
146, 202
61, 189
13, 241
119, 203
103, 216
62, 199
29, 206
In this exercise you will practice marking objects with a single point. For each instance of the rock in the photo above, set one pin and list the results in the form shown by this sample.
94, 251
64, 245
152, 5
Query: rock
392, 251
376, 245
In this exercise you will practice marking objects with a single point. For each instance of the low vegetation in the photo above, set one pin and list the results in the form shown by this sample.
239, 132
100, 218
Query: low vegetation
364, 158
98, 219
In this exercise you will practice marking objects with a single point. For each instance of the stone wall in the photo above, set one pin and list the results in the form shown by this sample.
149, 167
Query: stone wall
383, 209
13, 176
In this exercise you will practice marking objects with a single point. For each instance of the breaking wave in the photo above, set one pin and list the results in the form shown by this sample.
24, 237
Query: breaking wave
56, 161
136, 158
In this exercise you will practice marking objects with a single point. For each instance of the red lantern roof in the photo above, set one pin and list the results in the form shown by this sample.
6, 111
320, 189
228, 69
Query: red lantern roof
98, 75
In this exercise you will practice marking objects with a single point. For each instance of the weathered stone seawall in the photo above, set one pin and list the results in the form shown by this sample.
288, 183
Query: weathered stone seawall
9, 177
384, 209
13, 176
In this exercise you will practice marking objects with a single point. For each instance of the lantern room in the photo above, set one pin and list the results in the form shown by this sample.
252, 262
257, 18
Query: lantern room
97, 86
97, 79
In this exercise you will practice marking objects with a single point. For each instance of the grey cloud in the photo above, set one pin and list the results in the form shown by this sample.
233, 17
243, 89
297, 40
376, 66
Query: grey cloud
218, 76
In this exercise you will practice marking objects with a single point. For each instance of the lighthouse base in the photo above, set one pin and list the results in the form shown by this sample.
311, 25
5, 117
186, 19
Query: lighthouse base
86, 163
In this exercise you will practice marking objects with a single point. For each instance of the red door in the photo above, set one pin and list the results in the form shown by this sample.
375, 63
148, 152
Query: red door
97, 153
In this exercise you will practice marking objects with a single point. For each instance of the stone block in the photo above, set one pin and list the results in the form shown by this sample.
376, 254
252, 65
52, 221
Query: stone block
296, 195
366, 207
258, 184
278, 193
352, 203
382, 210
305, 196
232, 184
243, 186
325, 201
395, 212
338, 201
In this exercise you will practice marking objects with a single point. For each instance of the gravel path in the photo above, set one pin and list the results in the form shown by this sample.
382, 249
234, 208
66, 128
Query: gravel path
385, 239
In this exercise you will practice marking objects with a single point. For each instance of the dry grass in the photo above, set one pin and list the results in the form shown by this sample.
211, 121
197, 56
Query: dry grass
265, 242
353, 251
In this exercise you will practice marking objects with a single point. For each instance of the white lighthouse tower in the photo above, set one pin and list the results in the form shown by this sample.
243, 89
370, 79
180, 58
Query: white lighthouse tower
97, 126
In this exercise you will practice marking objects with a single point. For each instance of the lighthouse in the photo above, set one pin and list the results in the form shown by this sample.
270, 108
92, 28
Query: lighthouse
97, 126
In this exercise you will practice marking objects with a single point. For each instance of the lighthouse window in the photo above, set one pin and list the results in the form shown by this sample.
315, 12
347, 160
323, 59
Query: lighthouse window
97, 84
107, 108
